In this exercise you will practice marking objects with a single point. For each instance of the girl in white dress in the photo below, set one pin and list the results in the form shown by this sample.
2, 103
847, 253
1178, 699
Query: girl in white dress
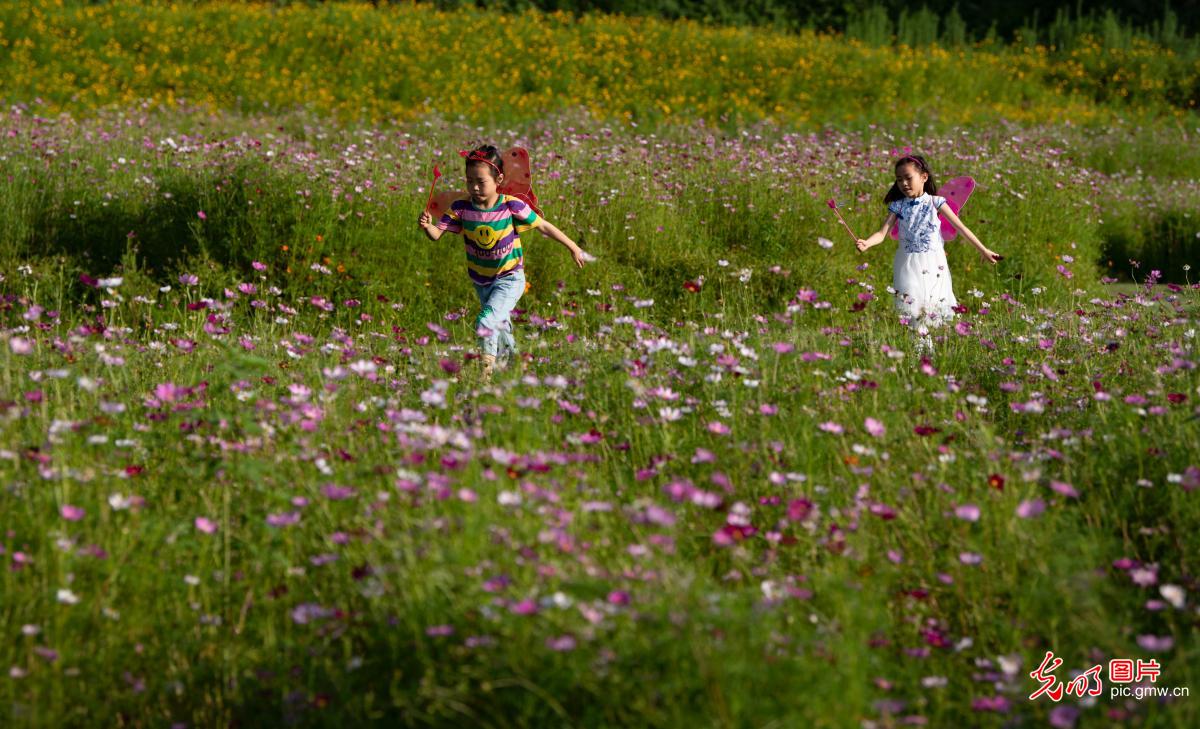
921, 275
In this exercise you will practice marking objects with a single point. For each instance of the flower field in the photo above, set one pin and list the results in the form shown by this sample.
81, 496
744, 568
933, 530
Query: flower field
250, 474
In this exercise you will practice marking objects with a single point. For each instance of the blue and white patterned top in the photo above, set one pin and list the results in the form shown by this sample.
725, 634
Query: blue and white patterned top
920, 229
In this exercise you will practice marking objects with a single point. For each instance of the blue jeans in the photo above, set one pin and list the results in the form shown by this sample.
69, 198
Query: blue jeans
496, 301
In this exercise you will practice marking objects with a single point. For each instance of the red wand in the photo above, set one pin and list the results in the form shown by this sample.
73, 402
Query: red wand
833, 206
436, 174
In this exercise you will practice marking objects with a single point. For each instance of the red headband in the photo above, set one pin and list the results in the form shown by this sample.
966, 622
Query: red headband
476, 156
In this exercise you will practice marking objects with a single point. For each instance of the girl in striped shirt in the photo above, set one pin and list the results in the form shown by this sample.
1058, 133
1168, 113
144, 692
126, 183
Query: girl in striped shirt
490, 224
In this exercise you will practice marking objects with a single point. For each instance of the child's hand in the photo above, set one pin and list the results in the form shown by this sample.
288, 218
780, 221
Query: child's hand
425, 219
991, 256
862, 245
581, 257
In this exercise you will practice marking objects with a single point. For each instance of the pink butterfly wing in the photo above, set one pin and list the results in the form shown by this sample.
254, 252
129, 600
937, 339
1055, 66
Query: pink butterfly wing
956, 192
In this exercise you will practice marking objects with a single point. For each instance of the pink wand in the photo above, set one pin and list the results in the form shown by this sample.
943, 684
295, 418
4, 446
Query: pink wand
436, 174
833, 206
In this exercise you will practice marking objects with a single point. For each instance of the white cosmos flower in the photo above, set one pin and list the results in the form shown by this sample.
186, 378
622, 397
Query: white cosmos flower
119, 502
1173, 594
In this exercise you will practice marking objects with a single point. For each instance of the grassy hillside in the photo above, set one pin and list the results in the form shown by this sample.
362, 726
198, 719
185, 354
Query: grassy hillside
402, 62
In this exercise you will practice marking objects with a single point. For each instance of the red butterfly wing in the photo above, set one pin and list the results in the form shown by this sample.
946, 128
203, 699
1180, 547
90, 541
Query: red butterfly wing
518, 178
441, 203
518, 182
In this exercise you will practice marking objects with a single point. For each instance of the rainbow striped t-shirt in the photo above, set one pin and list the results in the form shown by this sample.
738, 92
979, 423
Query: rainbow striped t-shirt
491, 237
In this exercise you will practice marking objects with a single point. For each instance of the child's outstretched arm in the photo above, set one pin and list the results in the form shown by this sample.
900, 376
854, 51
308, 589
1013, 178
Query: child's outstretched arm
988, 255
548, 229
425, 223
877, 237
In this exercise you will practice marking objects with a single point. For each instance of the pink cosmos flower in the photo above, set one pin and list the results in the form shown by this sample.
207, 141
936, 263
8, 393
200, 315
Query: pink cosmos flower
716, 427
72, 513
1066, 489
334, 492
309, 612
874, 427
998, 704
168, 392
206, 525
561, 644
1030, 508
967, 512
1156, 644
1144, 576
658, 516
525, 607
799, 509
883, 511
703, 455
284, 519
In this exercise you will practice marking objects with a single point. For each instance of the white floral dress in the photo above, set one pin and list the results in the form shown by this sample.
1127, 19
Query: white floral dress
920, 272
